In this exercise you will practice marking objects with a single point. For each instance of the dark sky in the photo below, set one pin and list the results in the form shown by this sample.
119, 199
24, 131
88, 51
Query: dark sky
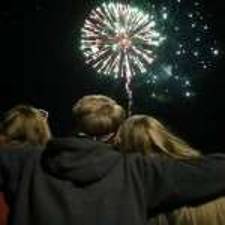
38, 67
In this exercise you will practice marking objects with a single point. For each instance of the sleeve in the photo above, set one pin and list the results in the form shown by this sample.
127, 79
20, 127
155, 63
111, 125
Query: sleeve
171, 183
12, 162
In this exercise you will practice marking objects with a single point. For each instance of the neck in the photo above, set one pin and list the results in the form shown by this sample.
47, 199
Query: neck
107, 138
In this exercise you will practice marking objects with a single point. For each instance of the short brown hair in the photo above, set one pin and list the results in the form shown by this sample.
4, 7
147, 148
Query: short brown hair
26, 124
97, 115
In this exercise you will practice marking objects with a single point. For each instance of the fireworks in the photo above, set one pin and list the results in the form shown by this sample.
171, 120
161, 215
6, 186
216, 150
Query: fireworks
189, 52
166, 47
119, 40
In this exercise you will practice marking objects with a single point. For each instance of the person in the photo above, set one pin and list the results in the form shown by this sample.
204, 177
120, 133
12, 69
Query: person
98, 117
23, 125
145, 134
82, 180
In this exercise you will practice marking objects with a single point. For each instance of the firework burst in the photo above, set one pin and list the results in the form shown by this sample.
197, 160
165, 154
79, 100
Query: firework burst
168, 48
120, 40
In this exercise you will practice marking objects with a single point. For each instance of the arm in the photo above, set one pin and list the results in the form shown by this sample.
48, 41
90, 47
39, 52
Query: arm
10, 166
12, 162
171, 183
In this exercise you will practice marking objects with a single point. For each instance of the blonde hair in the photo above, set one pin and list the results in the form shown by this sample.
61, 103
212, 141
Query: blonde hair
210, 213
26, 124
97, 115
145, 134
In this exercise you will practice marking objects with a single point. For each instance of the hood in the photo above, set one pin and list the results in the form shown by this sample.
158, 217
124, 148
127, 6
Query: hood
80, 160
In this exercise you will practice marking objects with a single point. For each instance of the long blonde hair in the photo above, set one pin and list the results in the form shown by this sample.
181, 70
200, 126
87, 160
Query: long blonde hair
145, 134
26, 124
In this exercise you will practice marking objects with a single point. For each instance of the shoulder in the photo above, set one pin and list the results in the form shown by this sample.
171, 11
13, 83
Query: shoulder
16, 153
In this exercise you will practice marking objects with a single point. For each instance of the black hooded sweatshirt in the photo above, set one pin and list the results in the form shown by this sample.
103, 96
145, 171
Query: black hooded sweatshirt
77, 181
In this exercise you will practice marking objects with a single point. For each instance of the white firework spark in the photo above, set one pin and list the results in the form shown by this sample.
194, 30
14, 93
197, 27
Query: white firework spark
119, 40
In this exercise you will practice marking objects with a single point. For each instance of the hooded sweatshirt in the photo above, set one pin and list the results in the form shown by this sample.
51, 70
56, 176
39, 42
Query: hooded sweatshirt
77, 181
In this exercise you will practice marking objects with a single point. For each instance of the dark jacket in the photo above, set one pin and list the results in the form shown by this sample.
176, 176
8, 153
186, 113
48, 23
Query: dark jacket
83, 182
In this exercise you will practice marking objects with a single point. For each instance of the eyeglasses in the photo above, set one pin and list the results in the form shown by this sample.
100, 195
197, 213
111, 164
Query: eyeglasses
43, 113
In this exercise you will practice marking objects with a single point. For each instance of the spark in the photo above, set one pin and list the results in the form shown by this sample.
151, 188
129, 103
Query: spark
205, 66
216, 52
178, 52
193, 25
176, 28
206, 27
190, 15
165, 16
168, 70
196, 53
197, 3
187, 83
188, 94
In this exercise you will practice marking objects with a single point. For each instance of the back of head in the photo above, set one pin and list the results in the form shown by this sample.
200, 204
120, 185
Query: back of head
145, 134
133, 135
97, 115
26, 124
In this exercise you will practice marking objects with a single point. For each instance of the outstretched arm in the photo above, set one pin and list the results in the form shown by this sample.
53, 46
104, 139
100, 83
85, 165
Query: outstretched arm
12, 162
171, 183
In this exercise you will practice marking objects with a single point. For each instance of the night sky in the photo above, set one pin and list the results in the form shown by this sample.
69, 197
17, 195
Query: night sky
39, 66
